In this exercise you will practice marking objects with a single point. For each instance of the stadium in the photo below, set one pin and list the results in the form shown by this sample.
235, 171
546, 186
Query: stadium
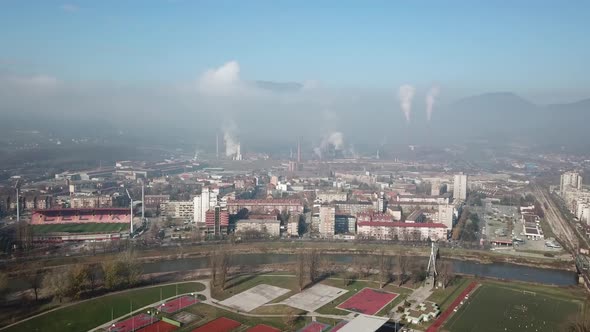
72, 225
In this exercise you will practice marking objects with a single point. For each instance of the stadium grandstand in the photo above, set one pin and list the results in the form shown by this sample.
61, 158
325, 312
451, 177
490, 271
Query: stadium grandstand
96, 224
73, 216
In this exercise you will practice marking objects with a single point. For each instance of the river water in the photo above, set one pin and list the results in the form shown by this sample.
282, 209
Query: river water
494, 270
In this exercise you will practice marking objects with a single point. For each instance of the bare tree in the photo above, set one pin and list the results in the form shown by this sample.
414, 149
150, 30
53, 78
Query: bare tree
93, 272
384, 268
225, 264
214, 266
3, 284
290, 320
300, 270
131, 267
402, 267
313, 260
78, 275
35, 279
577, 323
445, 272
58, 283
349, 276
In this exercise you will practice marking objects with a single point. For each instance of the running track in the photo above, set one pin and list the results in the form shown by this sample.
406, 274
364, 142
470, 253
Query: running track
445, 315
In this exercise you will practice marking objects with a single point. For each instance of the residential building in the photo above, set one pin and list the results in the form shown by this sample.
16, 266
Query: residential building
402, 231
330, 196
293, 206
206, 200
216, 222
327, 220
570, 179
90, 201
179, 209
460, 187
344, 224
263, 226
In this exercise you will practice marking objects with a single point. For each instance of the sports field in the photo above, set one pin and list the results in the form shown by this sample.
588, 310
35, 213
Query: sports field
497, 307
221, 324
368, 301
89, 314
80, 228
177, 304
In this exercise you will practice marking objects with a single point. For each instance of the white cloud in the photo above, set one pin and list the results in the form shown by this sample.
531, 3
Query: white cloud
222, 80
70, 8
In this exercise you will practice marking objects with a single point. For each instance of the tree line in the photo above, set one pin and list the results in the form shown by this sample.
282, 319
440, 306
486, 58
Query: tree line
77, 281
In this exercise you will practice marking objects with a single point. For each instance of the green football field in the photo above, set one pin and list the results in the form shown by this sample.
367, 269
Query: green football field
87, 315
495, 307
80, 228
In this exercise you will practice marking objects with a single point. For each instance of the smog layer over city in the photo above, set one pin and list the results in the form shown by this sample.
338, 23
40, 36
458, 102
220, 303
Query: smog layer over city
176, 165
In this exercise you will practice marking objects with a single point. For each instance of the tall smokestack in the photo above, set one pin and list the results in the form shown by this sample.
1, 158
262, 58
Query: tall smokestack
217, 145
299, 150
142, 202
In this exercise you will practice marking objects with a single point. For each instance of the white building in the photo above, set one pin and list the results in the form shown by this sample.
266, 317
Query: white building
180, 209
460, 187
447, 213
570, 179
203, 203
332, 195
264, 226
327, 221
402, 231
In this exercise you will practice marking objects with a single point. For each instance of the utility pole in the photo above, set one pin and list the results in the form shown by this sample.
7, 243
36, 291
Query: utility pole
131, 210
142, 201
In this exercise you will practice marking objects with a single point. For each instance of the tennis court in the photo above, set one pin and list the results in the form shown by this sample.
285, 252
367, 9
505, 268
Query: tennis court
368, 301
133, 323
220, 324
177, 304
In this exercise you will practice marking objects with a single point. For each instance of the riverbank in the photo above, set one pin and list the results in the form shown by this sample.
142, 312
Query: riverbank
147, 256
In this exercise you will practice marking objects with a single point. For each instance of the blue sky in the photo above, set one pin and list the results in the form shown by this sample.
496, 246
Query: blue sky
528, 47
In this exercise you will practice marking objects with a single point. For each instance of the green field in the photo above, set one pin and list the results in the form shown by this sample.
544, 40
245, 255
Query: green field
502, 307
79, 228
89, 314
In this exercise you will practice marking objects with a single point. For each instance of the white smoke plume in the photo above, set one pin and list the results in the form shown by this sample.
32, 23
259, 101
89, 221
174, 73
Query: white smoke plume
405, 95
430, 99
335, 139
231, 143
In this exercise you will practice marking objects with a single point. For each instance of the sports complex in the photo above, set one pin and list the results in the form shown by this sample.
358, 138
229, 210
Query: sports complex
273, 302
72, 225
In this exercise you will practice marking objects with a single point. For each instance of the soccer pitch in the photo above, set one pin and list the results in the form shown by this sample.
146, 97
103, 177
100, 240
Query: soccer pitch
503, 308
80, 228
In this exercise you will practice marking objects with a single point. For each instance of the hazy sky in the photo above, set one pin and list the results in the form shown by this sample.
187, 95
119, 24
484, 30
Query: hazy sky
534, 48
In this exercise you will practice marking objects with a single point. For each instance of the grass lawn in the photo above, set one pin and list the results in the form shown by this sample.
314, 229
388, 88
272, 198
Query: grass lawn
86, 315
79, 228
355, 287
514, 307
211, 313
444, 297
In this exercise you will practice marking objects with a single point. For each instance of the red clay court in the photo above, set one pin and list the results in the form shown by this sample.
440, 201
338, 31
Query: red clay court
158, 327
262, 328
368, 301
339, 326
177, 304
314, 327
133, 323
445, 315
220, 324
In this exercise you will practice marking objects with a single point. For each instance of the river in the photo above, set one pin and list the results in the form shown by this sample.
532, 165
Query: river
494, 270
